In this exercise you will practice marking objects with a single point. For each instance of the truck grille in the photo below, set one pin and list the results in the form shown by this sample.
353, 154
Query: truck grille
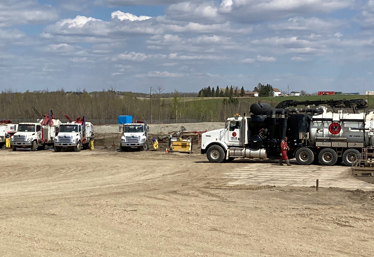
64, 139
132, 140
20, 138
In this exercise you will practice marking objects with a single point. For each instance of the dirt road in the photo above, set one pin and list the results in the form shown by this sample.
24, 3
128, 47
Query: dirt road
108, 203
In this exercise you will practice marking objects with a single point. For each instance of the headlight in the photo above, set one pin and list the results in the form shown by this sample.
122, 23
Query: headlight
29, 139
56, 139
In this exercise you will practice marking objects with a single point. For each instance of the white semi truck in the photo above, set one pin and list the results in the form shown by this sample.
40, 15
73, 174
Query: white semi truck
36, 135
314, 133
75, 135
134, 134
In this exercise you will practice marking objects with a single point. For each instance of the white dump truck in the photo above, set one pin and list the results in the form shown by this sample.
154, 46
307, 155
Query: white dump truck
7, 130
75, 135
134, 134
36, 135
315, 135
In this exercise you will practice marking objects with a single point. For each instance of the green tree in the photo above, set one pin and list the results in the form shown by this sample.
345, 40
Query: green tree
263, 90
242, 92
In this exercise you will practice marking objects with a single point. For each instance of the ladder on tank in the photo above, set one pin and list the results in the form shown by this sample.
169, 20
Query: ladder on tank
365, 165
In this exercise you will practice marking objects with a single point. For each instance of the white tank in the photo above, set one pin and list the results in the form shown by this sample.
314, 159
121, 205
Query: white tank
349, 126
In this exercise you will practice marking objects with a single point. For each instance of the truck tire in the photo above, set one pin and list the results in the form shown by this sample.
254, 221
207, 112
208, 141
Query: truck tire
14, 148
350, 156
78, 147
216, 154
34, 146
57, 149
328, 157
145, 147
304, 156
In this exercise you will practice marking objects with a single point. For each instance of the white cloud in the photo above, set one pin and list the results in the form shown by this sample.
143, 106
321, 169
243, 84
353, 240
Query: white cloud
136, 2
248, 60
253, 10
132, 56
25, 12
11, 34
80, 25
190, 10
265, 58
60, 48
176, 56
128, 16
160, 74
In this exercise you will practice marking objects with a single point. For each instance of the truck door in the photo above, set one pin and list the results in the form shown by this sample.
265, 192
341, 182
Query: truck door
233, 136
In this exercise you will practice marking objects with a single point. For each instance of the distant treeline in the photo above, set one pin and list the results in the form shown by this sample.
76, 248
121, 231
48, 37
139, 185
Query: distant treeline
222, 92
104, 107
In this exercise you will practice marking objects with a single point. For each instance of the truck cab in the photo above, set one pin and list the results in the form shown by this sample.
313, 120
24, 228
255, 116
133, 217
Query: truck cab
134, 136
34, 135
75, 136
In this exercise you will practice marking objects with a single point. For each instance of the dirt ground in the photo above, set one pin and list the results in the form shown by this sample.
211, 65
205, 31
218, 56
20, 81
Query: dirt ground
109, 203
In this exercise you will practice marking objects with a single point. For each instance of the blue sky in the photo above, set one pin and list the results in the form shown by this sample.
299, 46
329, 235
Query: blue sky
184, 46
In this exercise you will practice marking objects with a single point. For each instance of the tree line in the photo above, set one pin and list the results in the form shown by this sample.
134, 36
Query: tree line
104, 107
221, 92
262, 90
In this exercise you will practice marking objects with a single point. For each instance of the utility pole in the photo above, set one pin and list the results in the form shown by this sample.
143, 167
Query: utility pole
150, 101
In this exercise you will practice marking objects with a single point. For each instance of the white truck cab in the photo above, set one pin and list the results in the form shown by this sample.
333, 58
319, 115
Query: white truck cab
134, 135
35, 135
74, 135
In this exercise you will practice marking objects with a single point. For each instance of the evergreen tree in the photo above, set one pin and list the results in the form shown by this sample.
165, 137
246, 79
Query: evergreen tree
242, 92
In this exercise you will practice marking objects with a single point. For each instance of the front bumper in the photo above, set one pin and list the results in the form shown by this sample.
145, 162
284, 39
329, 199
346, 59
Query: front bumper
65, 144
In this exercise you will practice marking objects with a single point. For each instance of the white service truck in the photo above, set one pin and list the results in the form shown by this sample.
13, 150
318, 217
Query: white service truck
75, 135
36, 135
134, 136
315, 135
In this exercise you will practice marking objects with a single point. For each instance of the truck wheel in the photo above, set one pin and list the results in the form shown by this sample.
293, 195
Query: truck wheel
350, 156
34, 146
328, 157
216, 154
78, 147
145, 147
57, 149
14, 148
304, 156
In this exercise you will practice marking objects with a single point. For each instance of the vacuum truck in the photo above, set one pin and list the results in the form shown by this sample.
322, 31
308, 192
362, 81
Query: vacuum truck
315, 134
36, 135
75, 134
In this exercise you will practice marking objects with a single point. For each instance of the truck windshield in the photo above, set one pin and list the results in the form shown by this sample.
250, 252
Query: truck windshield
134, 128
26, 128
69, 128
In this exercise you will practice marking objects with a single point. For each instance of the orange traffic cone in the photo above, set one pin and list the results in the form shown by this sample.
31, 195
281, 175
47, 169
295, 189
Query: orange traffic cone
166, 150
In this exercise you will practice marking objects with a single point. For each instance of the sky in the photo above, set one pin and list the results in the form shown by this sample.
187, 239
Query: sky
163, 46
